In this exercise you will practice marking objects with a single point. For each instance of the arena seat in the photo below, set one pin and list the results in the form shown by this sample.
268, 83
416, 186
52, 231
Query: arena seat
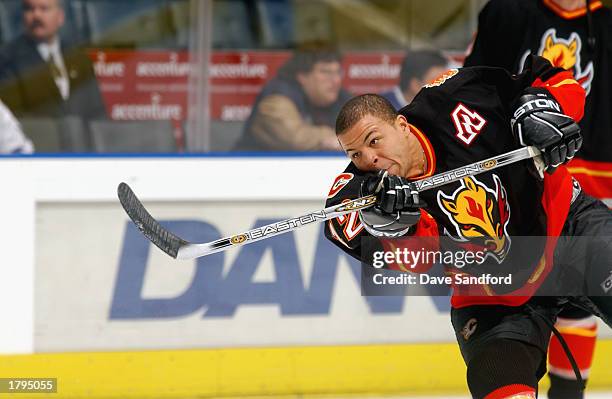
133, 136
43, 132
224, 134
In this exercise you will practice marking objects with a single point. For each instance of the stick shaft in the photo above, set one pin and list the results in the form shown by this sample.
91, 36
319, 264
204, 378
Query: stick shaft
190, 250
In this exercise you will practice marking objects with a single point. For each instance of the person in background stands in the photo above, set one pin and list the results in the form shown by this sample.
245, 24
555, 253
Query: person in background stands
296, 110
418, 68
12, 139
574, 35
40, 76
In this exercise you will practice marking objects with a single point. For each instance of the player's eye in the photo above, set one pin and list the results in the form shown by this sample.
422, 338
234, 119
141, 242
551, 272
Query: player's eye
374, 141
355, 155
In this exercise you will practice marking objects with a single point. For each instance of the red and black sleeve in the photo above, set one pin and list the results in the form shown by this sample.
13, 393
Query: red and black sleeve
348, 233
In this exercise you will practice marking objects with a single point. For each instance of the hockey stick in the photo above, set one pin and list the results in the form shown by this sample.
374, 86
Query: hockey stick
181, 249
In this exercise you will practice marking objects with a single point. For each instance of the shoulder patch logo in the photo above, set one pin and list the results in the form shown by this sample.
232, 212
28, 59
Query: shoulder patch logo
350, 223
442, 78
342, 180
467, 122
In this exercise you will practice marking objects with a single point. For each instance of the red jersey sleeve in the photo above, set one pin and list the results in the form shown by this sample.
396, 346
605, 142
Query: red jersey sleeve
567, 91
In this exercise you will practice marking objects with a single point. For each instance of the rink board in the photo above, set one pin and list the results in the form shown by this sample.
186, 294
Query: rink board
372, 369
93, 304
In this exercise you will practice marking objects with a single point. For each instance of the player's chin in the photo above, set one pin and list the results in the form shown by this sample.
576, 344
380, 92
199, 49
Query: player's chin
393, 170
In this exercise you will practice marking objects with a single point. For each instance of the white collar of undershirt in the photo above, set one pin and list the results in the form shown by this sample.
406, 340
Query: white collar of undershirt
44, 49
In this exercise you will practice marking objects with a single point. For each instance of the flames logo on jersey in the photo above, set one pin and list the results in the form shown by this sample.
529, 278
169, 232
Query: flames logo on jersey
565, 53
560, 53
480, 215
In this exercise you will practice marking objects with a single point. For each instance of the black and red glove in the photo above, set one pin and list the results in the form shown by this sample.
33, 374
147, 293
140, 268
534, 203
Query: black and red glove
397, 206
539, 121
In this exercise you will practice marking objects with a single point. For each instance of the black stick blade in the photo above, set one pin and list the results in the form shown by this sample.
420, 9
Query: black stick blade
165, 240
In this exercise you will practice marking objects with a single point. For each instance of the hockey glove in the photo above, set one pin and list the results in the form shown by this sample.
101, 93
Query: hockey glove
539, 121
397, 205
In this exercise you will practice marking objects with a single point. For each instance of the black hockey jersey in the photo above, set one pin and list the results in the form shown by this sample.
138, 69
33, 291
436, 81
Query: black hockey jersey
509, 30
460, 118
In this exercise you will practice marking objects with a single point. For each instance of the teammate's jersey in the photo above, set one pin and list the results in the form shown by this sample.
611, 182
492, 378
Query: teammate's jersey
508, 30
461, 118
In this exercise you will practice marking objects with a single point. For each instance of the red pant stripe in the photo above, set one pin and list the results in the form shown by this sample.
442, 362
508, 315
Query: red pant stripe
512, 390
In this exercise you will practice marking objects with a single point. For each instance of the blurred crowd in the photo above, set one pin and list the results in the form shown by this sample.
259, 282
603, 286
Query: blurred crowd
53, 99
54, 59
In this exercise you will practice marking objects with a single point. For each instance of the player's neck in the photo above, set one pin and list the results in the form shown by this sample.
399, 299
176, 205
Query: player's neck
570, 5
418, 159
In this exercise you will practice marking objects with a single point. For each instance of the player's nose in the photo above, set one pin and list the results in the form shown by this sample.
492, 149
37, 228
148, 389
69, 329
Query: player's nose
371, 159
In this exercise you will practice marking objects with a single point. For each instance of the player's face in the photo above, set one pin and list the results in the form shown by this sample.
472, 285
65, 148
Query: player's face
322, 84
373, 144
42, 18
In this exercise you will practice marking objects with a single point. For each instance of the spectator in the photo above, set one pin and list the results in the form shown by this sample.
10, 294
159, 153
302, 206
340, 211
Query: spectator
40, 76
574, 35
418, 68
12, 139
296, 111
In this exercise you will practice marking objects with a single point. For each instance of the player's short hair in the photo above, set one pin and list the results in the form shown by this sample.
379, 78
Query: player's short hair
416, 64
358, 107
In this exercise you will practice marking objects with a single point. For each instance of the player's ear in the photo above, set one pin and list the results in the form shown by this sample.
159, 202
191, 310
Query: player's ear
402, 123
61, 15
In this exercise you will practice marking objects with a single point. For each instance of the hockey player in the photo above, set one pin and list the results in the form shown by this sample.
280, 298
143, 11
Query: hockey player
572, 36
462, 117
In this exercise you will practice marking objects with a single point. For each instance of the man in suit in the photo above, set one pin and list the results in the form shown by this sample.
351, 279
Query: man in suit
40, 76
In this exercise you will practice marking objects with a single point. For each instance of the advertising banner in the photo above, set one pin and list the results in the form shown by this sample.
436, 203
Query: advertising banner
100, 285
139, 85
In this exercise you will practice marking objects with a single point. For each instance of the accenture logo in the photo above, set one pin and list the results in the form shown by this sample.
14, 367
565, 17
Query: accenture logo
382, 70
